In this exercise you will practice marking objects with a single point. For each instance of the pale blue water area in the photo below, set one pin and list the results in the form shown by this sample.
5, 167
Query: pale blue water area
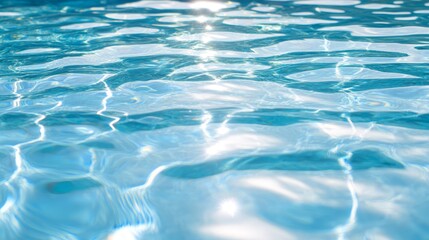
264, 120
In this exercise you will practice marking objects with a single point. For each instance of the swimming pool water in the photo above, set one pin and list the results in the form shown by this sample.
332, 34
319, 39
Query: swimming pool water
294, 119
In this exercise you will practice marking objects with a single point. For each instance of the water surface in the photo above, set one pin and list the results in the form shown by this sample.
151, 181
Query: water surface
303, 119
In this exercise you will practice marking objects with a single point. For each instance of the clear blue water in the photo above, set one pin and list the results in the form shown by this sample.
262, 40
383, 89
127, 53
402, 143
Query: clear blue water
303, 119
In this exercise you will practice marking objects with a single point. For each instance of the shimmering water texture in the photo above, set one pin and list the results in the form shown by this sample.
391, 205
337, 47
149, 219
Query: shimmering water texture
264, 120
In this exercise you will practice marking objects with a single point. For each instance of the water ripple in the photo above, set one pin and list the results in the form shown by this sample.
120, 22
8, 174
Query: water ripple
282, 119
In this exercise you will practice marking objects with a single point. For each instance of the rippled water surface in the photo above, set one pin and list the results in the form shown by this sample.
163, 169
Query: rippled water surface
305, 119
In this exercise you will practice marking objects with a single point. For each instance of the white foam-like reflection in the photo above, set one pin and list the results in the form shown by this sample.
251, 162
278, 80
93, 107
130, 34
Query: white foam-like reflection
128, 233
212, 5
329, 10
281, 21
249, 228
9, 14
373, 6
247, 14
232, 144
37, 51
391, 13
176, 5
83, 26
222, 37
208, 67
361, 31
421, 11
286, 187
406, 18
327, 2
126, 16
344, 73
341, 17
229, 207
60, 80
187, 18
130, 31
334, 130
302, 14
264, 9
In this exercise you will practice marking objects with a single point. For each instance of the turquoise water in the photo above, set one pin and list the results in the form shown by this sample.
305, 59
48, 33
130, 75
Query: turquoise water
303, 119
